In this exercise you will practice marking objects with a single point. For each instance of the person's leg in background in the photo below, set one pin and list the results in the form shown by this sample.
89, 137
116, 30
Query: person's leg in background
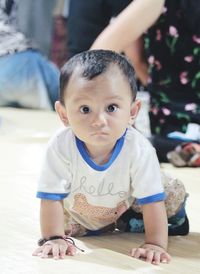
51, 75
28, 80
59, 43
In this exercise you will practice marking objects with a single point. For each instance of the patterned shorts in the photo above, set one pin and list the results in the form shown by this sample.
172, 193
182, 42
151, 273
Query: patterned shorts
176, 195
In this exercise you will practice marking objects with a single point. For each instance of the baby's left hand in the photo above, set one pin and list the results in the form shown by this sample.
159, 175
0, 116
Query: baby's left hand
151, 253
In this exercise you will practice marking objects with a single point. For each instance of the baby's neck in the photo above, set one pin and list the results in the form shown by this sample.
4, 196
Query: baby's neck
101, 159
100, 155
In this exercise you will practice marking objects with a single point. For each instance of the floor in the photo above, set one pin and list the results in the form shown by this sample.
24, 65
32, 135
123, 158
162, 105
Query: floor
23, 135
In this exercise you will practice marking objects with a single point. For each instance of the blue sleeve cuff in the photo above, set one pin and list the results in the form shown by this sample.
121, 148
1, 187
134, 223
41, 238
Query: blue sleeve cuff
151, 199
51, 196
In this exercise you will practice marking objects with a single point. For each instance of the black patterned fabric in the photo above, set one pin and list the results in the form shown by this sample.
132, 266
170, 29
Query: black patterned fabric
173, 53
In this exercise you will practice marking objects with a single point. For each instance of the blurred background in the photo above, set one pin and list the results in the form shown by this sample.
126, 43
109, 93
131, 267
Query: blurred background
38, 37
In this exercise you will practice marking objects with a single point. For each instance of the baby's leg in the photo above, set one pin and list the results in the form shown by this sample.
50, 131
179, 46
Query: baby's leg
175, 207
72, 228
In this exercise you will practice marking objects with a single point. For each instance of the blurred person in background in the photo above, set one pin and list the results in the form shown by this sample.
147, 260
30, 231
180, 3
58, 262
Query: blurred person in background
59, 53
87, 19
35, 19
171, 31
27, 78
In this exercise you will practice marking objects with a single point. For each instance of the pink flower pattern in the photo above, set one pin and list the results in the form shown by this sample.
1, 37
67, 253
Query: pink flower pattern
151, 60
183, 77
191, 107
173, 55
154, 110
188, 59
164, 10
158, 65
173, 31
166, 111
196, 39
158, 35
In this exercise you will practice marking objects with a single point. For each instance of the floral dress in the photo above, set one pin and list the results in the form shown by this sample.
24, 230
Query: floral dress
173, 54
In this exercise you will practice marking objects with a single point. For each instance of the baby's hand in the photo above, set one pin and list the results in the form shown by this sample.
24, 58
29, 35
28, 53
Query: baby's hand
58, 248
151, 253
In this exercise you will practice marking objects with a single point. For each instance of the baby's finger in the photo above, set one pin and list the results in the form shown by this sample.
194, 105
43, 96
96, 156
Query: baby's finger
37, 251
133, 251
63, 250
149, 255
55, 251
165, 258
157, 258
46, 250
71, 250
138, 252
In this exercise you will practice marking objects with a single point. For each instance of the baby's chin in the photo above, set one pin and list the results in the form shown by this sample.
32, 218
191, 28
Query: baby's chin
100, 141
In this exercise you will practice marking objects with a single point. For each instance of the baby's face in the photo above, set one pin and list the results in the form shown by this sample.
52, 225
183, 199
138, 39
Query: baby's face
99, 110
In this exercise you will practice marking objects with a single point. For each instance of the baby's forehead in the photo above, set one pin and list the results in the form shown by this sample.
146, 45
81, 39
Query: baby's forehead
110, 74
110, 83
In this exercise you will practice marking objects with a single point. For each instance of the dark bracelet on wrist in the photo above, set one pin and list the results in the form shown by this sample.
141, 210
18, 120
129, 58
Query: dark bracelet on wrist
44, 240
67, 239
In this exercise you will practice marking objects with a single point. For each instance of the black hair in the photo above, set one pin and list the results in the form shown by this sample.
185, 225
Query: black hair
93, 63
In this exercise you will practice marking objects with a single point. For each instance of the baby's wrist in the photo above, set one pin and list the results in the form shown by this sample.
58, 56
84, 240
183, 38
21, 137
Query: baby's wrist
151, 245
42, 241
67, 240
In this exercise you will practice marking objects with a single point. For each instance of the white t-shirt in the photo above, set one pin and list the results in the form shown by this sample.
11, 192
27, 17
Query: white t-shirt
97, 195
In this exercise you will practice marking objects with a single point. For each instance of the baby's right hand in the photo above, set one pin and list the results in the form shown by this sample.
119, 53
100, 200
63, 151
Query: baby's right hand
58, 248
151, 253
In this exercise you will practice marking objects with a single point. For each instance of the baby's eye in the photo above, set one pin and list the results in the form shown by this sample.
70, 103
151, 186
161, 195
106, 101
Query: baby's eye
111, 108
84, 109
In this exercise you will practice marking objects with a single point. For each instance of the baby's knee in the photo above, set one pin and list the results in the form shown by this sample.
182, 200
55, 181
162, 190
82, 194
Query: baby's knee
175, 194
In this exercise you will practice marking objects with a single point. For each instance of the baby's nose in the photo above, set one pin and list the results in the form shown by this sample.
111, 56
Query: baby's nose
99, 120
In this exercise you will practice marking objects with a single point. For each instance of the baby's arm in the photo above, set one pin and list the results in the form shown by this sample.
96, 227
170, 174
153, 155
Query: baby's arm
154, 250
52, 224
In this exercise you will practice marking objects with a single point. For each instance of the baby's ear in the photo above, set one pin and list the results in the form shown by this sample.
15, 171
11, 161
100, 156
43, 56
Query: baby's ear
135, 107
61, 110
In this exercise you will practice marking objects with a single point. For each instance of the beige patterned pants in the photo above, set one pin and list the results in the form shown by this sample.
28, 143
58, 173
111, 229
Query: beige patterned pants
175, 192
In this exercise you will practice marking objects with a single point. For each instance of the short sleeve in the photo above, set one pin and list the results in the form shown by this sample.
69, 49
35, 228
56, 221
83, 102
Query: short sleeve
55, 177
146, 178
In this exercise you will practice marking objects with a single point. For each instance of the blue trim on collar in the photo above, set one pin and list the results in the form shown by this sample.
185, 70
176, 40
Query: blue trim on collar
86, 157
